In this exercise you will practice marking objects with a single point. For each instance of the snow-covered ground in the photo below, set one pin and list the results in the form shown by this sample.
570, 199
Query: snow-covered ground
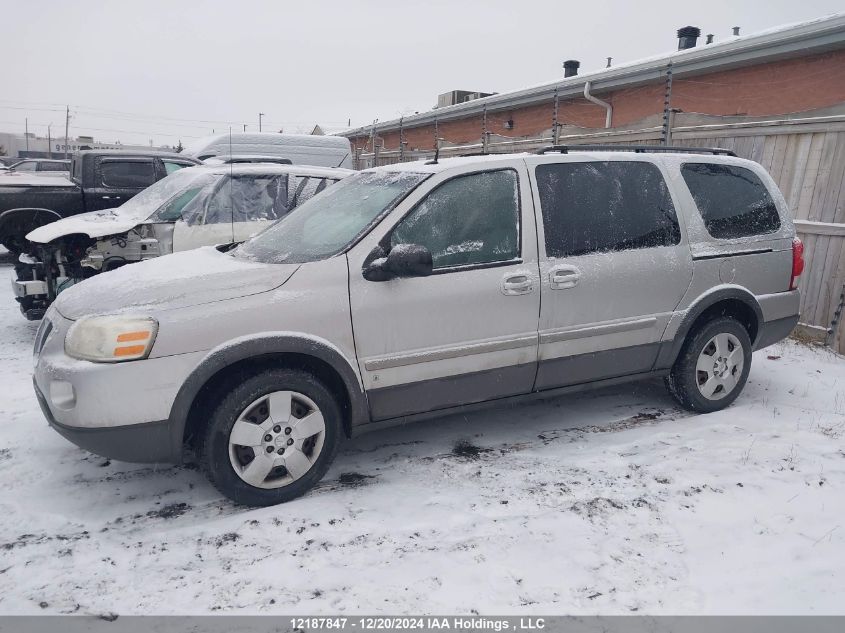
607, 502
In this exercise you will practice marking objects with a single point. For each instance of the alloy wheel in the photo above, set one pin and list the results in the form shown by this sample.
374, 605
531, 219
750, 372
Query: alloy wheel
719, 366
276, 439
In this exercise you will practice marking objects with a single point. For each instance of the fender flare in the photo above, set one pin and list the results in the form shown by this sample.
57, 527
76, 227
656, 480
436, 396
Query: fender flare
252, 347
670, 351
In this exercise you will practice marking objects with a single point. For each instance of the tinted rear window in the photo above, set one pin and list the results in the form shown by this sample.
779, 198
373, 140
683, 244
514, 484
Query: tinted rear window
128, 174
55, 167
732, 200
605, 206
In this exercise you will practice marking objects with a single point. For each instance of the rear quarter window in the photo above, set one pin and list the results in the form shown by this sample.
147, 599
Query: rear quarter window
732, 200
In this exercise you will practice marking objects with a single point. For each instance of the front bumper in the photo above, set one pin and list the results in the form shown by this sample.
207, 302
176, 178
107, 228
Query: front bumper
118, 410
141, 443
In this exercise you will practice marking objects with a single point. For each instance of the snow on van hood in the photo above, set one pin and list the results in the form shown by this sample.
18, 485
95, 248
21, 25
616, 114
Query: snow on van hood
93, 224
174, 281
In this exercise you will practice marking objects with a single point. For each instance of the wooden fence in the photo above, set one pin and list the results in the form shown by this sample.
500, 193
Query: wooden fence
806, 157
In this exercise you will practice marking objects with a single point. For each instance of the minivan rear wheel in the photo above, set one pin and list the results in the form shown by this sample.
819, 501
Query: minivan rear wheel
713, 366
272, 437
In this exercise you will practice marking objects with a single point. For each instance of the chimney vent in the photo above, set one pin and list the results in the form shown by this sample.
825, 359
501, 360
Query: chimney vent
609, 60
570, 67
736, 30
687, 37
709, 38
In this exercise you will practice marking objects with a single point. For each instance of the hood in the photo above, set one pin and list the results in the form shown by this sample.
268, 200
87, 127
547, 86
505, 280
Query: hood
175, 281
94, 224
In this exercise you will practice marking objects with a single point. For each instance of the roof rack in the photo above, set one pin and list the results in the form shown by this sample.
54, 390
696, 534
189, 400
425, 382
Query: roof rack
469, 154
638, 149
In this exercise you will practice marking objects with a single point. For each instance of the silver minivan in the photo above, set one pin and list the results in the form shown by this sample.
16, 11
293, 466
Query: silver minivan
417, 289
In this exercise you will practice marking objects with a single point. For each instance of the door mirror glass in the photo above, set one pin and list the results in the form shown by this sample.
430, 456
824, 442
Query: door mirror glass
403, 260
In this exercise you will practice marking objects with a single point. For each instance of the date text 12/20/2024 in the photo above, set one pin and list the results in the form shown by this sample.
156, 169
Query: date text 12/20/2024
410, 623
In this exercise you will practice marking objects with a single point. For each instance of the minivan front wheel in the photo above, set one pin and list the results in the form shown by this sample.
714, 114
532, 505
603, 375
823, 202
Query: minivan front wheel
272, 437
713, 366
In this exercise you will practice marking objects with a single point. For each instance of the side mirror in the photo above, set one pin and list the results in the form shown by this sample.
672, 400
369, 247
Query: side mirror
403, 260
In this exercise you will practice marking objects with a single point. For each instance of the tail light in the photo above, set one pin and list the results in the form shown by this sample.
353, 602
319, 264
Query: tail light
797, 262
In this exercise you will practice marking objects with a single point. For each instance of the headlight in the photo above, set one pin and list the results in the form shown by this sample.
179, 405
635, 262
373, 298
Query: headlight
111, 339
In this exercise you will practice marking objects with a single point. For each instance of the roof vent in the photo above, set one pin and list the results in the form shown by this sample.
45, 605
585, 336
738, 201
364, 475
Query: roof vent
570, 67
736, 30
710, 38
609, 60
687, 37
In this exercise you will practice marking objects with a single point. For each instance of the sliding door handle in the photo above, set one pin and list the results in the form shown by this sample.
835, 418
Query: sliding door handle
563, 277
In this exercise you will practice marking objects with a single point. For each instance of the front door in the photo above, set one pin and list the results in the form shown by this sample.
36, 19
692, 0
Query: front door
468, 332
614, 266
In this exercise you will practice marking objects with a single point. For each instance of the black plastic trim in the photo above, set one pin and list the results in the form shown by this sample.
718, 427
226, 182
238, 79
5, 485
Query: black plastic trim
612, 363
254, 348
761, 251
637, 149
669, 351
441, 393
770, 332
503, 401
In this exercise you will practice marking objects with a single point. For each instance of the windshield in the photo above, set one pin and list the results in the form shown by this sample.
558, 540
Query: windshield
327, 223
146, 203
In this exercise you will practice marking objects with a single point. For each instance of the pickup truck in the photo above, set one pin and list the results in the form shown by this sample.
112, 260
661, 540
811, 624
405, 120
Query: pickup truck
99, 179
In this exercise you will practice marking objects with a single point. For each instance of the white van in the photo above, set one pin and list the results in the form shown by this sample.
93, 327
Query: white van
301, 149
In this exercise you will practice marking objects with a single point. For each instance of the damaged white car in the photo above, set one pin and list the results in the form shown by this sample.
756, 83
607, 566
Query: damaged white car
192, 207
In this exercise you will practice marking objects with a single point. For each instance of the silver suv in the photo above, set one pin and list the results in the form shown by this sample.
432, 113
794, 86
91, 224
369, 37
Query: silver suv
412, 290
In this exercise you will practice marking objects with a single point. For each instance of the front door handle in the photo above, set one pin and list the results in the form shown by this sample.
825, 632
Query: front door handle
562, 277
517, 284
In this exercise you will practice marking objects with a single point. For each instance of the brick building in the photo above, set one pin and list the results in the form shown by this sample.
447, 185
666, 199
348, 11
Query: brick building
776, 97
795, 69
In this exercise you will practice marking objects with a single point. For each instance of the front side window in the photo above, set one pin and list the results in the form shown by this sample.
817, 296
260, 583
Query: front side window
127, 174
306, 187
26, 166
599, 207
248, 199
153, 201
329, 223
468, 220
170, 166
732, 200
187, 204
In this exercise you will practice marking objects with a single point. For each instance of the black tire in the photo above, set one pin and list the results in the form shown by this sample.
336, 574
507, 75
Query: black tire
684, 379
213, 450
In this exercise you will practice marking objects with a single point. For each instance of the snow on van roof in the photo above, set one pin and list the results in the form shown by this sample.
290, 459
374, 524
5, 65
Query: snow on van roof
274, 168
573, 155
267, 139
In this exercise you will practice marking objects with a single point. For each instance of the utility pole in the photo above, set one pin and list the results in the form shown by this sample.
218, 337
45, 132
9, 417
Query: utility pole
555, 123
374, 138
667, 108
485, 135
26, 134
49, 142
401, 140
260, 114
67, 124
244, 127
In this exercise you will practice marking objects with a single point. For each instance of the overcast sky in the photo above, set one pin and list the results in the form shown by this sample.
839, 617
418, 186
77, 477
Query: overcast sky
169, 70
